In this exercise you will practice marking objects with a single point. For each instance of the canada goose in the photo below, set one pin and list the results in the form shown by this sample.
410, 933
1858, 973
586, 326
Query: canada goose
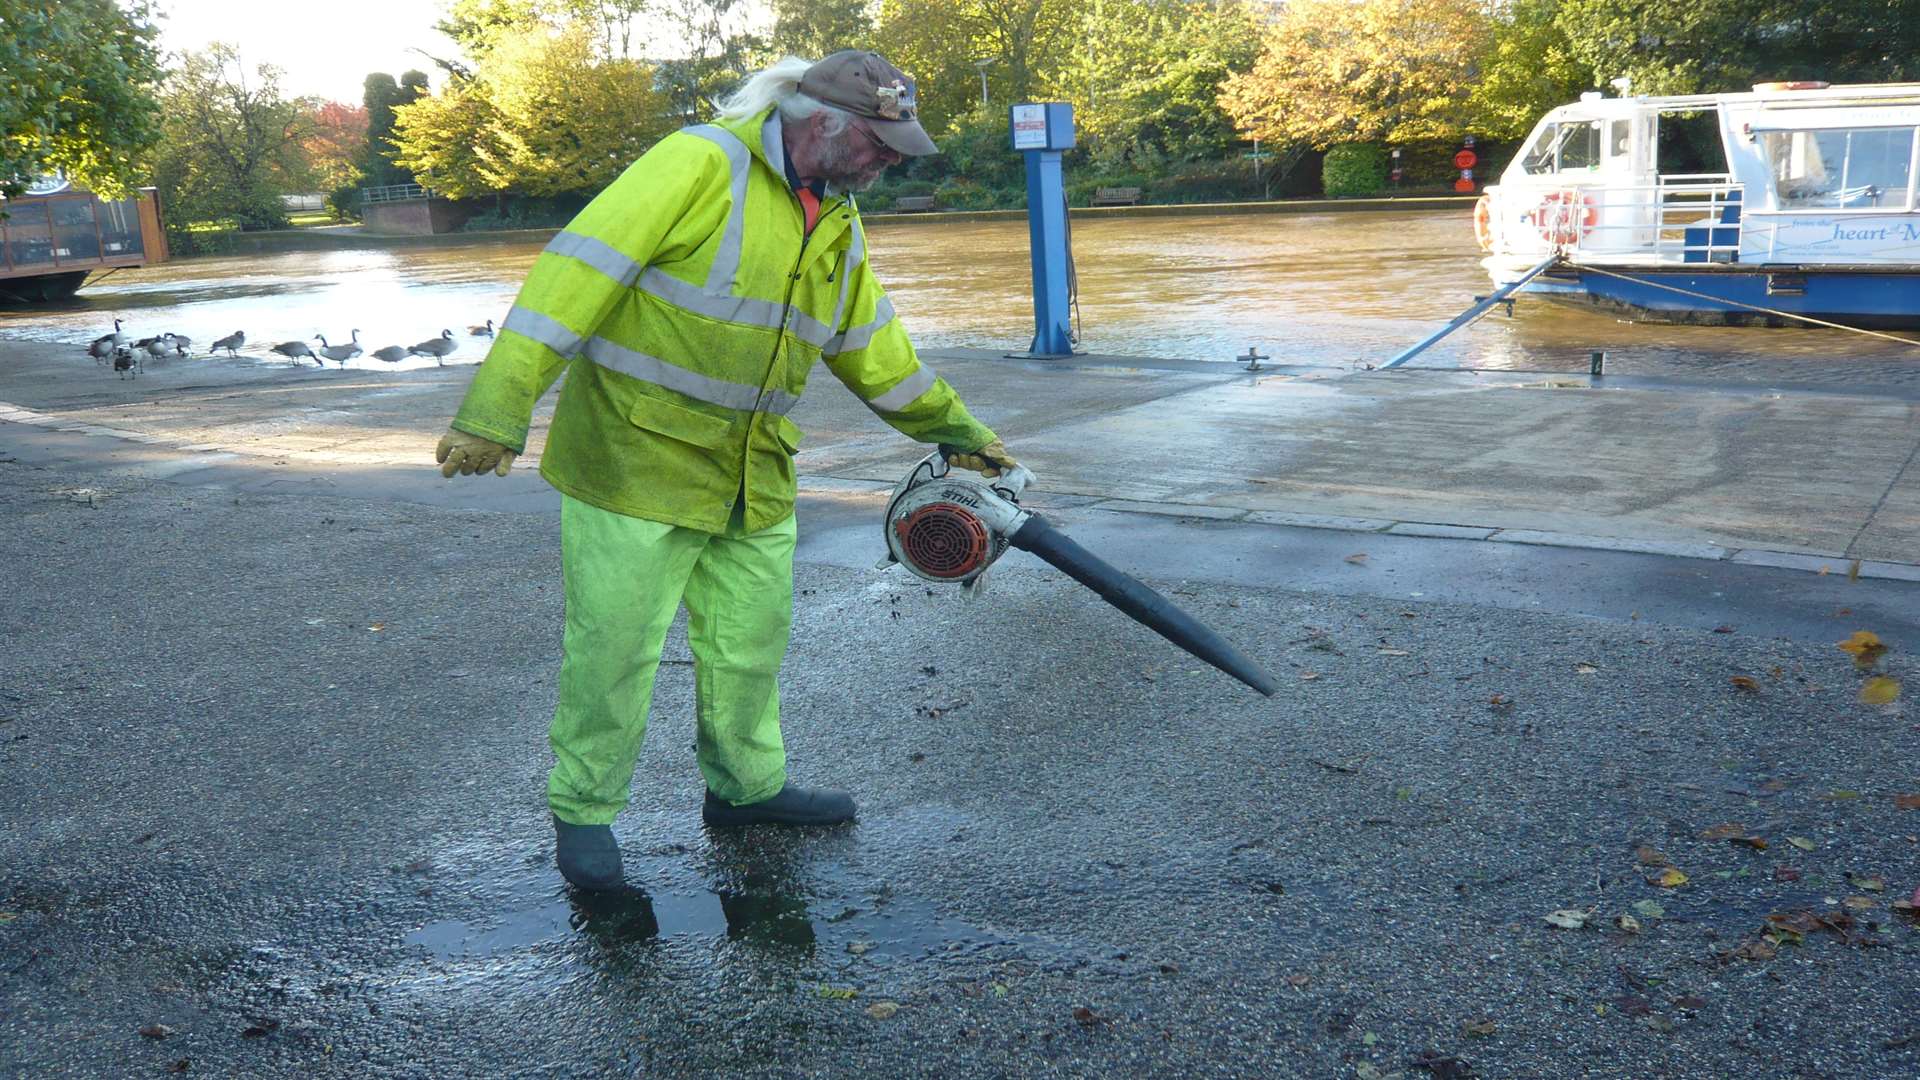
294, 350
481, 331
342, 353
231, 343
102, 346
158, 347
392, 354
179, 343
125, 364
437, 347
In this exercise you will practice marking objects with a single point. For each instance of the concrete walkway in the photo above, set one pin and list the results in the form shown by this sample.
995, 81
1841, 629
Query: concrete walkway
1811, 478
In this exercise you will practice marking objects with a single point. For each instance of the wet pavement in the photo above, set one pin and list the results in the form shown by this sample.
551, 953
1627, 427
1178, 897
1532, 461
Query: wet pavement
273, 724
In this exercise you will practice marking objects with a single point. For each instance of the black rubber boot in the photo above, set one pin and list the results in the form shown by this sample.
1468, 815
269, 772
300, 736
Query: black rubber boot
589, 857
793, 806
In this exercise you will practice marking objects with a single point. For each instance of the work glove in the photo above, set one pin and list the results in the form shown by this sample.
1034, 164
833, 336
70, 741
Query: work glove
467, 455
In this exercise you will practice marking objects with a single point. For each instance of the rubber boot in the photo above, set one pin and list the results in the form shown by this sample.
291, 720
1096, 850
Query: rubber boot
589, 857
792, 806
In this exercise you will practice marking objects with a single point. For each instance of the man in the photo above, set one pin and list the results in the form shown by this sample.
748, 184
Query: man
687, 303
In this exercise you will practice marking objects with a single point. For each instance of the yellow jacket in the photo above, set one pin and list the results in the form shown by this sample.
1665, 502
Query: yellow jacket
687, 305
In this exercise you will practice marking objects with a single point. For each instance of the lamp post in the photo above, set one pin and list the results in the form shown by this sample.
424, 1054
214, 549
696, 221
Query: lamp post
983, 63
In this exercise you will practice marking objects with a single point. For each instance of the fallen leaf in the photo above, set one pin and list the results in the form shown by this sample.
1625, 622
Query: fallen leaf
1865, 646
1723, 832
1841, 794
1757, 949
1757, 843
1384, 651
260, 1026
1298, 981
1907, 802
1358, 559
1853, 570
859, 948
1481, 1028
1309, 676
1880, 690
180, 1066
1802, 843
156, 1031
1669, 879
1647, 856
1859, 903
1633, 1006
1087, 1016
377, 627
1744, 682
1499, 701
1568, 918
1650, 909
1869, 882
838, 993
1584, 669
1785, 873
1628, 923
1690, 1003
882, 1010
1723, 629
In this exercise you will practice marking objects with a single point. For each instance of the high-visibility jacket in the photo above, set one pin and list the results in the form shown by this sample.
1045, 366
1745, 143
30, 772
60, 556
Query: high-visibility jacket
687, 304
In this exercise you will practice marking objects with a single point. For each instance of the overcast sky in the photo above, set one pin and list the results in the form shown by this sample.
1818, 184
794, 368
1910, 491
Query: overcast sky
325, 49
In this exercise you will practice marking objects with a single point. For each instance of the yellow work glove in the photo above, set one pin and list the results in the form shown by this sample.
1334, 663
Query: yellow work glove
466, 454
989, 460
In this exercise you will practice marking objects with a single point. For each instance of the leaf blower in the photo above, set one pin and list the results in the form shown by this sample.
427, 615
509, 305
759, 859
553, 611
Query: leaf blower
950, 528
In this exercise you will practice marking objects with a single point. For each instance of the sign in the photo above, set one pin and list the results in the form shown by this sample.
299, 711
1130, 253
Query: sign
1029, 127
1465, 159
1463, 184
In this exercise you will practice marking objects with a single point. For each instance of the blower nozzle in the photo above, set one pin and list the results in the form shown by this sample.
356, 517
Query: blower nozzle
948, 528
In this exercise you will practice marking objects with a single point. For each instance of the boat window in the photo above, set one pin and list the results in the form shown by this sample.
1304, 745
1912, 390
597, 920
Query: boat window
1840, 168
1569, 146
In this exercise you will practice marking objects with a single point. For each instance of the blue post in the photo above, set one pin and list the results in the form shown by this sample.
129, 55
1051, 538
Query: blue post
1041, 132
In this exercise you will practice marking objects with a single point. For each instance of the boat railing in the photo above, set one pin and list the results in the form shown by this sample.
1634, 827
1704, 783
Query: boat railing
1680, 218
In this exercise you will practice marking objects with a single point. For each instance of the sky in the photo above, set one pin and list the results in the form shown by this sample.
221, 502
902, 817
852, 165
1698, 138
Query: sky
322, 49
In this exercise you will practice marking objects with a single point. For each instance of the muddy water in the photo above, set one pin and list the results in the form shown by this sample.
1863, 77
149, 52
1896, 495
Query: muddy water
1319, 288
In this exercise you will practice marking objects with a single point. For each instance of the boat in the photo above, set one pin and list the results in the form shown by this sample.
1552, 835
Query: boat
55, 235
1790, 205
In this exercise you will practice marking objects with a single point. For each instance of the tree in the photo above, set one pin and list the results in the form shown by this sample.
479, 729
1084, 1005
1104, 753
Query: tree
941, 42
1334, 71
1727, 45
337, 145
440, 140
77, 92
719, 50
380, 96
1530, 68
814, 28
231, 144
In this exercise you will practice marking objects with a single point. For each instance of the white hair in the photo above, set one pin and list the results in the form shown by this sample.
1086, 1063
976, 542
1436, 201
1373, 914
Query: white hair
779, 86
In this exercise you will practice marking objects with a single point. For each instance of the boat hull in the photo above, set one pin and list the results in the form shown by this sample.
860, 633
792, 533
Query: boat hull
1739, 296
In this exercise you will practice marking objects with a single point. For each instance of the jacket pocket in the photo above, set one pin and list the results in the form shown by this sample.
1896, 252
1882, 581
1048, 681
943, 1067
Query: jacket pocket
678, 422
788, 433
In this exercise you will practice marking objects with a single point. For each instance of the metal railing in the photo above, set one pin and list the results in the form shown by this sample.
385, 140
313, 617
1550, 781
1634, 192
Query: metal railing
394, 193
1679, 219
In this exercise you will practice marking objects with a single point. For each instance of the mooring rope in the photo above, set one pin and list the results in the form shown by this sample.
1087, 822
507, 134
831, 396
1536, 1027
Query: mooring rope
1752, 307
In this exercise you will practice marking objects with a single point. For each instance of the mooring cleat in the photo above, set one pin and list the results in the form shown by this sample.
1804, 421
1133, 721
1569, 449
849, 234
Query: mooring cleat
792, 806
588, 856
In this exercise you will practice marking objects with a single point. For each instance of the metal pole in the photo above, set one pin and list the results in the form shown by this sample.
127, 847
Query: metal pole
1474, 312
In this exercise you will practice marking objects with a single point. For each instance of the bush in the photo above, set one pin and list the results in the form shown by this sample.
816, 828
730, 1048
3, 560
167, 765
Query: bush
344, 202
527, 212
958, 194
1354, 169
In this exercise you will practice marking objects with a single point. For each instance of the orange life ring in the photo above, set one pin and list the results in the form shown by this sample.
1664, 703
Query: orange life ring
1483, 222
1563, 217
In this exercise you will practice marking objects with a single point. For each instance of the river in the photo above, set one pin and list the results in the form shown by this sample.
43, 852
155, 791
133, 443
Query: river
1348, 288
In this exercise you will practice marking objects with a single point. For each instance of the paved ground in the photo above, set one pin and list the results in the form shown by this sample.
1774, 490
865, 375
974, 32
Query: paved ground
273, 717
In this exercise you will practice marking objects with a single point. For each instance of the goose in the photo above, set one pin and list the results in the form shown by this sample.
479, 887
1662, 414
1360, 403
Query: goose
102, 346
294, 350
342, 353
158, 347
392, 354
481, 331
437, 347
125, 364
231, 343
180, 342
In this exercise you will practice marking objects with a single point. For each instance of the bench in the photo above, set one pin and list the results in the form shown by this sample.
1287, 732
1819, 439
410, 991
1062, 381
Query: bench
910, 203
1116, 196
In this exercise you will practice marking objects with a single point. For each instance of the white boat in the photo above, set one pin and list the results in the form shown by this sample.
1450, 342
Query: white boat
1810, 212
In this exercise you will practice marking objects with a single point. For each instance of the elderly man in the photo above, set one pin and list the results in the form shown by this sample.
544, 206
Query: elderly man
687, 303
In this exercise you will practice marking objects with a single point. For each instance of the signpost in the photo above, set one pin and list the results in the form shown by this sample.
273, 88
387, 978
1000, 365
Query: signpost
1465, 160
1040, 132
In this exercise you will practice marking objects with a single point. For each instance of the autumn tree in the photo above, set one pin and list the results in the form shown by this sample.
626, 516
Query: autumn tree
814, 28
1531, 66
78, 85
232, 144
1342, 71
942, 42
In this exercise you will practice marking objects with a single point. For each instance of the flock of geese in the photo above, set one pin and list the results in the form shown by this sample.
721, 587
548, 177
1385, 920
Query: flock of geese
129, 356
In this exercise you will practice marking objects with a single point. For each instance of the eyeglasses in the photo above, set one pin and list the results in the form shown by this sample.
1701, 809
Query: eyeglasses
877, 142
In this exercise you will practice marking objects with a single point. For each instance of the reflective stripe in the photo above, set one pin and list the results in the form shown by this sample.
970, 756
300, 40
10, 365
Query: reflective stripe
742, 310
597, 254
691, 383
726, 261
904, 391
856, 251
544, 329
861, 336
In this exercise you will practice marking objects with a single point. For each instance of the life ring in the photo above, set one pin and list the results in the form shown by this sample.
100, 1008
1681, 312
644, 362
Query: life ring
1483, 222
1563, 217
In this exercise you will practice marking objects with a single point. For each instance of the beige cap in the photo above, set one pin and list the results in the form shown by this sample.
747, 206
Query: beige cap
865, 85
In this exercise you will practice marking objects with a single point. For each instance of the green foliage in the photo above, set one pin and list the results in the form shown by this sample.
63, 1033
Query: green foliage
527, 213
814, 28
232, 144
1530, 68
343, 203
1726, 45
978, 149
380, 96
77, 81
938, 41
1354, 169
